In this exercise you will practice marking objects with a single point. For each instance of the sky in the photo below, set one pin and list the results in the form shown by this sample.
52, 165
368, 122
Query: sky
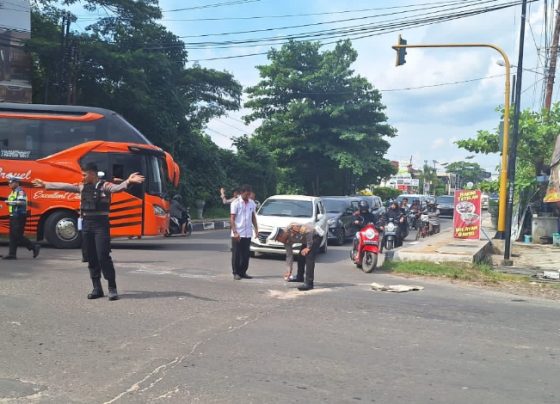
429, 112
428, 120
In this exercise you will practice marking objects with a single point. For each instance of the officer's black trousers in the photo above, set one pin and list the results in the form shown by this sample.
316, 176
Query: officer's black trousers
96, 234
306, 265
17, 227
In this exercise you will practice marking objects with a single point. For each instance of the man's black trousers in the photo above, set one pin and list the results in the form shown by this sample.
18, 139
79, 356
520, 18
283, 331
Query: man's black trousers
96, 234
240, 252
306, 265
17, 227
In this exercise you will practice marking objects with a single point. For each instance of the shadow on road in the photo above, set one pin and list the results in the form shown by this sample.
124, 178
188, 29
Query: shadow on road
134, 294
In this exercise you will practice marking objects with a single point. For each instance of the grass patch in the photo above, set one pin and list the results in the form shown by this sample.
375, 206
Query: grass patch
451, 270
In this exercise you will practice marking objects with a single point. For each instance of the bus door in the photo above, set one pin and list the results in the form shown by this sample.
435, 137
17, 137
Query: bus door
127, 208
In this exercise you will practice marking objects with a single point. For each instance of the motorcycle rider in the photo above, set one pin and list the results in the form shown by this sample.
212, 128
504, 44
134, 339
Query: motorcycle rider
178, 211
415, 211
394, 212
363, 217
433, 217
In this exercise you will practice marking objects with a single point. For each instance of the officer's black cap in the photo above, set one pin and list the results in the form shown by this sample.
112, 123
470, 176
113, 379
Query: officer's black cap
90, 167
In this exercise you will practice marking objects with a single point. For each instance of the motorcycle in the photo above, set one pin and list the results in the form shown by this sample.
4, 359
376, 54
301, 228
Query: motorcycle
390, 235
412, 219
424, 228
366, 248
175, 225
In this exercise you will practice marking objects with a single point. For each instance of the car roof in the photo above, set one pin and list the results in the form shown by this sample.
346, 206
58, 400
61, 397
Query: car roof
295, 197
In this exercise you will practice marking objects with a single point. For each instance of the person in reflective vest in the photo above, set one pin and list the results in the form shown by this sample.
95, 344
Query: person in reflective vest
95, 195
17, 209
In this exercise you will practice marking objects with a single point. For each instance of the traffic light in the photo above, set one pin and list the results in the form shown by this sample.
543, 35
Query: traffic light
401, 52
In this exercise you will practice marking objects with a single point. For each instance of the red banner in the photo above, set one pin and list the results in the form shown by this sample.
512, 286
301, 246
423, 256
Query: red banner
468, 214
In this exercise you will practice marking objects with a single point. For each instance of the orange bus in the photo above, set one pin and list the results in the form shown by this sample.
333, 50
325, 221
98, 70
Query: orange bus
52, 142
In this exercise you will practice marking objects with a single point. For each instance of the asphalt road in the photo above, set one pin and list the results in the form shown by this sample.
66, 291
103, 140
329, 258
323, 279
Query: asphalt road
185, 332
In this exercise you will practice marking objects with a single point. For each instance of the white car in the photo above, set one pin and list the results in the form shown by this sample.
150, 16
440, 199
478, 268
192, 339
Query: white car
280, 211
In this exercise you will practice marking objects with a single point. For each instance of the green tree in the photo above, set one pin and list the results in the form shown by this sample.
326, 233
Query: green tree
466, 171
132, 64
324, 125
428, 176
537, 134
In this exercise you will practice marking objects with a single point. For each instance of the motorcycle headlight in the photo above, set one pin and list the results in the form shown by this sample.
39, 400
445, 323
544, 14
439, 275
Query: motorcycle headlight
159, 211
391, 227
370, 233
332, 222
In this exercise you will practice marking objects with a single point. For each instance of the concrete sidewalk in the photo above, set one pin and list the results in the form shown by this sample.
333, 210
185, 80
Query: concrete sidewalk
442, 247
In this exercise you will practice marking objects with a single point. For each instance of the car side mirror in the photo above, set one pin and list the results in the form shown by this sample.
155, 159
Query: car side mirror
320, 216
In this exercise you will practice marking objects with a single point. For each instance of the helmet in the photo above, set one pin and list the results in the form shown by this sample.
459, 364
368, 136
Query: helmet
177, 198
363, 206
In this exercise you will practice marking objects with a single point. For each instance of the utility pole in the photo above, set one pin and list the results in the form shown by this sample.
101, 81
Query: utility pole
553, 56
514, 139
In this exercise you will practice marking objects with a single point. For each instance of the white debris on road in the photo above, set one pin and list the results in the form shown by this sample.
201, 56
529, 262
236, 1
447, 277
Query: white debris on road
395, 288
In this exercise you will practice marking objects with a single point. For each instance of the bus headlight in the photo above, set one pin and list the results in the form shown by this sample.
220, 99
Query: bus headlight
159, 211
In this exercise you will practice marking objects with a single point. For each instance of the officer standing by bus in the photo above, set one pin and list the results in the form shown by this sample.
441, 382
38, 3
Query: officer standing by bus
94, 207
17, 209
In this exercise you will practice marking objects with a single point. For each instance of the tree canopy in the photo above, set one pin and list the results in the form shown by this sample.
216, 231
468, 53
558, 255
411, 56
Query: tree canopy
467, 171
324, 124
537, 134
130, 63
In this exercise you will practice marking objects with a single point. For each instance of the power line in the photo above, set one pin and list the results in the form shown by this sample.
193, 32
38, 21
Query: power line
214, 5
219, 133
329, 22
369, 32
381, 26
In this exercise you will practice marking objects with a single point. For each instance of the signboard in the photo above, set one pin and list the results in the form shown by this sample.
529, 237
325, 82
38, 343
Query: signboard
467, 215
415, 182
553, 191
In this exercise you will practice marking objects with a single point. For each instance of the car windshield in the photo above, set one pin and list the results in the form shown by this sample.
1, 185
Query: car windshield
410, 198
335, 205
445, 199
287, 208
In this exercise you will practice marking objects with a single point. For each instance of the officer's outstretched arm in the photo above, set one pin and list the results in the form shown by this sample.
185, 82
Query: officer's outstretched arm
136, 178
38, 183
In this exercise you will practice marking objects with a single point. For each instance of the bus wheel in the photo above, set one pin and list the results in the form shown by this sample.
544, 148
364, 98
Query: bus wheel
61, 230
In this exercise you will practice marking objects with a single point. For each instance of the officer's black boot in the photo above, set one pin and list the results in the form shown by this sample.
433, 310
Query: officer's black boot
306, 286
113, 295
97, 291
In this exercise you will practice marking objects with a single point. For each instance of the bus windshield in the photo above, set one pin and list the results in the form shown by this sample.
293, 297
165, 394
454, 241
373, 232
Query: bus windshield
155, 184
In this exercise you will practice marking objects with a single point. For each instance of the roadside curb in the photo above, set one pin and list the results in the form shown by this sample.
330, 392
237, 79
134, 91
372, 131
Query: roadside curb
443, 247
214, 224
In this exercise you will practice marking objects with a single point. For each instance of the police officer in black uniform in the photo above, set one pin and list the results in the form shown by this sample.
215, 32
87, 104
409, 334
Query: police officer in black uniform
94, 207
17, 208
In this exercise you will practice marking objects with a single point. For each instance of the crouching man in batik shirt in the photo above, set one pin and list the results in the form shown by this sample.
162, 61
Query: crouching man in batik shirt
310, 240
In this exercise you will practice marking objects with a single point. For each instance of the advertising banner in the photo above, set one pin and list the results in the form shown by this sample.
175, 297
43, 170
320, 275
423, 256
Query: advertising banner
553, 191
467, 216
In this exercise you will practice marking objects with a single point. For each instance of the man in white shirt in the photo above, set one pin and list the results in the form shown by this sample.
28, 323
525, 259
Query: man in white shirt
242, 221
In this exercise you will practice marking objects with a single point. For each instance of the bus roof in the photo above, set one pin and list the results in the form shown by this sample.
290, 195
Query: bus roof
67, 112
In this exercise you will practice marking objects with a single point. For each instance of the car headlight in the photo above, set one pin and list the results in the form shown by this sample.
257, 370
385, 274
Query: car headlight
159, 211
370, 233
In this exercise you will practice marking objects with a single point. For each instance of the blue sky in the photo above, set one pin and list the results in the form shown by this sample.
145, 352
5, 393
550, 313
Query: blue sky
428, 120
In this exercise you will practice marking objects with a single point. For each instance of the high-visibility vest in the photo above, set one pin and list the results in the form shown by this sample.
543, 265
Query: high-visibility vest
20, 209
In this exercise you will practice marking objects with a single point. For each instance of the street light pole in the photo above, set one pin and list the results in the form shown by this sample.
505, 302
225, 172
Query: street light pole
514, 138
505, 144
